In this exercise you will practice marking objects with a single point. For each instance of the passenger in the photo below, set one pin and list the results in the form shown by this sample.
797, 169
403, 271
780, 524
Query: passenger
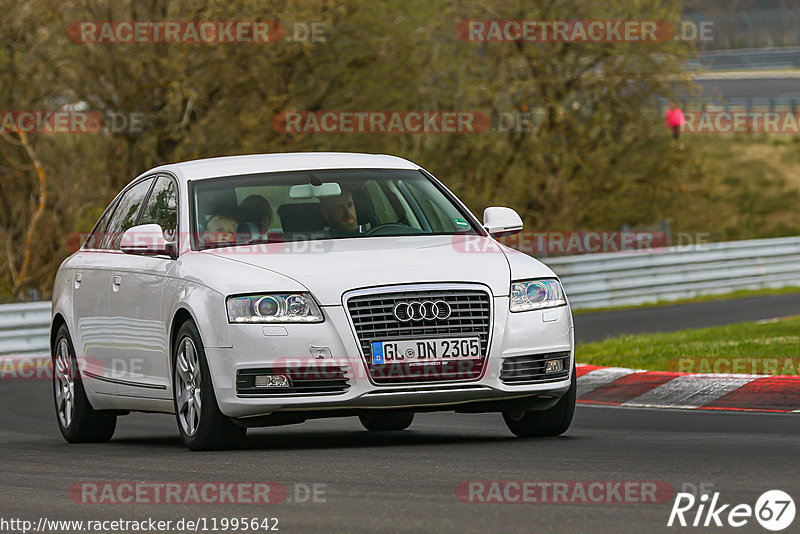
221, 228
340, 212
256, 210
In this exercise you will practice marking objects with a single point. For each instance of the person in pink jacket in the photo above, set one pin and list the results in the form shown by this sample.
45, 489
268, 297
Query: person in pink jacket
675, 119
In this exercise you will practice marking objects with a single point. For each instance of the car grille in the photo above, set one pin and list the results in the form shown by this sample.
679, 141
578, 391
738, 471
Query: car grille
373, 319
305, 379
524, 369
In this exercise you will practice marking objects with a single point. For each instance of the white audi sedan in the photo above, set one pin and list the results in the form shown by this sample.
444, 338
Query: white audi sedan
265, 290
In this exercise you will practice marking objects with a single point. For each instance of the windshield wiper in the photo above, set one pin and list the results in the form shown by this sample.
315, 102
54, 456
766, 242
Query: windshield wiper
263, 240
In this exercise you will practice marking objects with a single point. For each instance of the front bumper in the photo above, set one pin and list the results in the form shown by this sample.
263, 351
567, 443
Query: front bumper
265, 346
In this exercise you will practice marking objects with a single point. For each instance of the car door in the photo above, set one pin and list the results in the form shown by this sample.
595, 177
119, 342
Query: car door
92, 286
142, 349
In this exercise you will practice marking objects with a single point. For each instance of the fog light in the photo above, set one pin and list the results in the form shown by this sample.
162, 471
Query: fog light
273, 381
554, 366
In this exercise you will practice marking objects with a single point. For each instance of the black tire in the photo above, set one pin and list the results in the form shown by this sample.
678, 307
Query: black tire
77, 420
210, 429
385, 422
552, 422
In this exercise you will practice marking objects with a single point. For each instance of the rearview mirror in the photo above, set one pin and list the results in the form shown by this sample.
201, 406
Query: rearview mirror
147, 240
306, 191
500, 222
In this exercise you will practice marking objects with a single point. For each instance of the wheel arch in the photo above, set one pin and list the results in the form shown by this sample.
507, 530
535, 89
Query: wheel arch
55, 325
180, 316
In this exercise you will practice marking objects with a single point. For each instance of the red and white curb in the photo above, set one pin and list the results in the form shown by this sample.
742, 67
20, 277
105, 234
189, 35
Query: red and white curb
618, 386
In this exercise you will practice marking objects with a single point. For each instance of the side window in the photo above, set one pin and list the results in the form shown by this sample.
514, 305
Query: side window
384, 211
439, 221
96, 237
162, 207
125, 214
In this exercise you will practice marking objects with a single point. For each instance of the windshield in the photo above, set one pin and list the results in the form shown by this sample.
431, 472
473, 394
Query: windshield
326, 204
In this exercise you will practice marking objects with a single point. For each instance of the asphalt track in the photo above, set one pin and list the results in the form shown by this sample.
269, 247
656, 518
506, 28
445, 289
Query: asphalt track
404, 481
601, 325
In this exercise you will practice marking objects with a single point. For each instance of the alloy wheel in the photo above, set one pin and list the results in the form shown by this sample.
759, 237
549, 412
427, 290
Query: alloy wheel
188, 387
64, 384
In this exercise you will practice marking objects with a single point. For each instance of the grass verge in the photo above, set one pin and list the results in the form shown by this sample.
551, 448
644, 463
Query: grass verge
770, 347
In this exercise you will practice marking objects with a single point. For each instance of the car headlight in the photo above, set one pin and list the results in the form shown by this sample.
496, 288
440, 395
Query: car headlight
274, 308
536, 295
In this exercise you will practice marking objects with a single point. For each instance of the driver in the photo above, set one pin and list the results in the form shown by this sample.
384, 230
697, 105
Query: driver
340, 212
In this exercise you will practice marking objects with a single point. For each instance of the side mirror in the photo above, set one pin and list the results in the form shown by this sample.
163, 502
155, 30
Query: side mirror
147, 240
500, 222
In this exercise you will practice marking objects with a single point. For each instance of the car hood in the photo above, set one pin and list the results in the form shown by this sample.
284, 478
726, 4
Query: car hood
329, 268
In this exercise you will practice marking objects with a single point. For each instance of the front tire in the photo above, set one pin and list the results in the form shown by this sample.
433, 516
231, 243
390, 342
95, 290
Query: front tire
386, 422
200, 422
552, 422
77, 420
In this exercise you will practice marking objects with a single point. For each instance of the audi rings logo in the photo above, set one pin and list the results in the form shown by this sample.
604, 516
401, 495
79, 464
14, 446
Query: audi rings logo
427, 310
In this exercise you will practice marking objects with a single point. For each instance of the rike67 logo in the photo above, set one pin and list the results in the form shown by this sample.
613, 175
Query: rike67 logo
774, 510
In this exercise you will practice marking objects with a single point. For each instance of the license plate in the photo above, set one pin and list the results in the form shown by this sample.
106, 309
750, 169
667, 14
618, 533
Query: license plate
426, 350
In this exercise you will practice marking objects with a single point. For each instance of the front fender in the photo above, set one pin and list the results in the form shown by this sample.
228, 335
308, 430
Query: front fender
206, 306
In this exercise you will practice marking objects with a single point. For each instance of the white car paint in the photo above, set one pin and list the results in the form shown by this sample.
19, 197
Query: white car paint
120, 308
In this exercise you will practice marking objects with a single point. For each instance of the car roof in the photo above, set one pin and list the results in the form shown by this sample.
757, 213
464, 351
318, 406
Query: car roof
295, 161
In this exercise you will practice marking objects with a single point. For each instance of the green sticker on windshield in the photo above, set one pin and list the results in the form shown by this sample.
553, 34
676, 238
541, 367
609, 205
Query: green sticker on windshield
461, 222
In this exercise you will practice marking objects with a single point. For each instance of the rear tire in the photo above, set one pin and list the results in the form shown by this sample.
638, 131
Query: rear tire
552, 422
77, 420
385, 422
201, 424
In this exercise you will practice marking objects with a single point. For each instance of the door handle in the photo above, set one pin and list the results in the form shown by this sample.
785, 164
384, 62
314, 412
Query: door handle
117, 282
78, 278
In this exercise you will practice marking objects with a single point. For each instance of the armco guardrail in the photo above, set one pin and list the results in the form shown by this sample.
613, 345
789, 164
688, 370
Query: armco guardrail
624, 278
25, 330
747, 59
591, 281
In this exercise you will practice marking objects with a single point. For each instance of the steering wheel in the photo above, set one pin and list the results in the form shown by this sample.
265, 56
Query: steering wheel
393, 229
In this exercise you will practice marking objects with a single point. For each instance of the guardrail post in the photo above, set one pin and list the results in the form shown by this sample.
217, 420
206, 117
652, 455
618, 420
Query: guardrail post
750, 37
666, 230
697, 19
793, 16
